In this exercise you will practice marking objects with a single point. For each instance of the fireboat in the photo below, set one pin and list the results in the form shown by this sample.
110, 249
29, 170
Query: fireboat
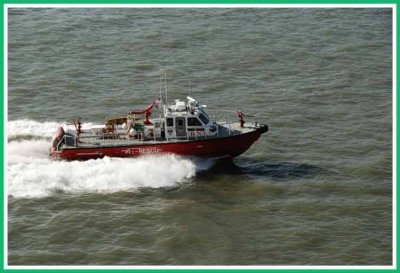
183, 128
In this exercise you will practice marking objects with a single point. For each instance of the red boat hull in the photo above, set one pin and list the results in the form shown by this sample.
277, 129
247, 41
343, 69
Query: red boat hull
231, 146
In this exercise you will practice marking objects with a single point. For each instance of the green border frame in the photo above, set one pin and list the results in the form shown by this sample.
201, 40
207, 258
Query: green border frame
194, 270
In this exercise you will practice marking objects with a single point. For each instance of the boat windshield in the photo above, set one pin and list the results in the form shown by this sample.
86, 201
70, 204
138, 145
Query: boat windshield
203, 118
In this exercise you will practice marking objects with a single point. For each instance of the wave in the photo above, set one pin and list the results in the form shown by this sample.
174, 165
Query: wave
30, 127
25, 129
43, 178
31, 173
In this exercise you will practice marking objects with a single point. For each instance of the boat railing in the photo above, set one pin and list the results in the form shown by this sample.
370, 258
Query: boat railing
99, 139
226, 127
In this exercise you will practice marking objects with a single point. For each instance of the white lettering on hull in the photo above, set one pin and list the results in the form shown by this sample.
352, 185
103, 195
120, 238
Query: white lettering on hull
142, 151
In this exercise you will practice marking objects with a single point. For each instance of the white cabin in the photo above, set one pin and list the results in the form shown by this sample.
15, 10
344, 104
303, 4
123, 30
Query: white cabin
183, 120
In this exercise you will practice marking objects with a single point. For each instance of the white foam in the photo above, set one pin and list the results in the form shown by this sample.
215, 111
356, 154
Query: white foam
43, 129
45, 177
28, 151
31, 173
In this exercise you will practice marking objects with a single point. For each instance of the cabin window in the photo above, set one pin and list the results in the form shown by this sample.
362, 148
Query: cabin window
170, 122
203, 118
193, 122
180, 122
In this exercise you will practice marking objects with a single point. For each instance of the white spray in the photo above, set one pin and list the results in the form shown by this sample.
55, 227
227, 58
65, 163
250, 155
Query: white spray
30, 172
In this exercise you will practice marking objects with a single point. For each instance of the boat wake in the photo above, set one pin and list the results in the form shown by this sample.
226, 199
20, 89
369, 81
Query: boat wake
24, 129
30, 172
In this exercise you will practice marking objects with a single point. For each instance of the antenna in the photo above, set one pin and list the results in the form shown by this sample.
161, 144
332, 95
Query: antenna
189, 87
166, 89
160, 89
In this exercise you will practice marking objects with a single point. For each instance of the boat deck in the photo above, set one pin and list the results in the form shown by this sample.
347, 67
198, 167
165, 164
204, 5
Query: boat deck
121, 138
